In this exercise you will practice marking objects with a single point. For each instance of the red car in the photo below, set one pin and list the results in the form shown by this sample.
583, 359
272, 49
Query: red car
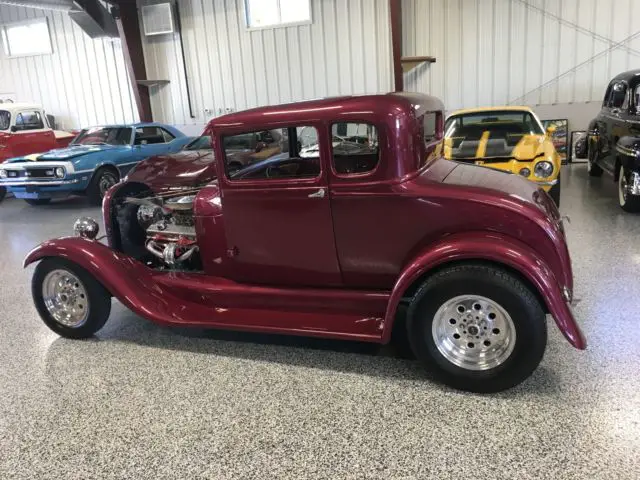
329, 245
24, 129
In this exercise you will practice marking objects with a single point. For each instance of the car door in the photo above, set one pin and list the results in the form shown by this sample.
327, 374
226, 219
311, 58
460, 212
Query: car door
614, 123
30, 133
277, 215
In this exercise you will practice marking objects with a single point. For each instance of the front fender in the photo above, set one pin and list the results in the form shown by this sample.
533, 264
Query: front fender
494, 248
628, 150
126, 279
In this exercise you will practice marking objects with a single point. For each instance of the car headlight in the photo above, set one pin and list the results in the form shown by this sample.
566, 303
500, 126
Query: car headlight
525, 172
3, 174
59, 172
543, 169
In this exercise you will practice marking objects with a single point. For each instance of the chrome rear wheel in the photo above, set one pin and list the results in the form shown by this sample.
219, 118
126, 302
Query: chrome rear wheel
473, 332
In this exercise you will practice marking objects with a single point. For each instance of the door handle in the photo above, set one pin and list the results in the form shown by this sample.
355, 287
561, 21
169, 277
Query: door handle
319, 194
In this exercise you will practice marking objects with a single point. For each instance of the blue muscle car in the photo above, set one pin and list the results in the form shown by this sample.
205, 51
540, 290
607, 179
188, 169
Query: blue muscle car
96, 160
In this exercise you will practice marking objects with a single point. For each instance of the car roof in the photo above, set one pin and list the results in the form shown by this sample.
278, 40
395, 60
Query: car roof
505, 108
12, 107
627, 76
331, 108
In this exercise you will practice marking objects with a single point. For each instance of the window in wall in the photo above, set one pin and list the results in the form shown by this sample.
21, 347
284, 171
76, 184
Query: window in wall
274, 13
271, 155
26, 38
355, 148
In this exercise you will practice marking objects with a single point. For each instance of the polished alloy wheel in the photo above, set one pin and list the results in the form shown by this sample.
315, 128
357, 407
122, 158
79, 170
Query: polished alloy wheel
473, 332
107, 180
66, 298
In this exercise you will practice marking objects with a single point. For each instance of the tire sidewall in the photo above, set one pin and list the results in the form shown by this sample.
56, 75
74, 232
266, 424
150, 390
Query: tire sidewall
632, 202
99, 300
526, 314
94, 193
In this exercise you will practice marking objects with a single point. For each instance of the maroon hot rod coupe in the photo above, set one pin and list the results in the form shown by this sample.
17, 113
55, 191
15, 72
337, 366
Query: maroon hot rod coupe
328, 244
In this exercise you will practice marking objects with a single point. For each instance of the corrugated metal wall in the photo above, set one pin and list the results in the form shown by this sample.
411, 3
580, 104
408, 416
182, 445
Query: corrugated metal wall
347, 49
84, 82
492, 52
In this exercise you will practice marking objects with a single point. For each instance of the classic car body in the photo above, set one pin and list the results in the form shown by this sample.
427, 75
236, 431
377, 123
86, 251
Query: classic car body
327, 245
614, 138
506, 138
25, 129
94, 161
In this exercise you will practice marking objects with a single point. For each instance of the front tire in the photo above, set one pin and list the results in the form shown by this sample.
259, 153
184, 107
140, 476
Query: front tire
38, 202
3, 193
69, 300
479, 327
593, 168
628, 202
102, 181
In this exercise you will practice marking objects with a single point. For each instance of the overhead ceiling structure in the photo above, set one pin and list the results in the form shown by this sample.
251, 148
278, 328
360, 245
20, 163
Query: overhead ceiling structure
90, 15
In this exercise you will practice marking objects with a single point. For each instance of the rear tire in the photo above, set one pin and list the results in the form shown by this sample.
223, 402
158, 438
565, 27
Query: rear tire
628, 202
102, 181
494, 344
69, 300
554, 192
36, 202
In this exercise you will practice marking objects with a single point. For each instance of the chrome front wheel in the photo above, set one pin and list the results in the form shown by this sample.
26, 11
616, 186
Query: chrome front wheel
473, 332
69, 300
66, 298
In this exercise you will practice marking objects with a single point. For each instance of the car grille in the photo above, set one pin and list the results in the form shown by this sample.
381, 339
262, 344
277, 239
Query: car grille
37, 173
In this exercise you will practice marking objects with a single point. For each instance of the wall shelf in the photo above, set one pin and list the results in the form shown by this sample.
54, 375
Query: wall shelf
409, 63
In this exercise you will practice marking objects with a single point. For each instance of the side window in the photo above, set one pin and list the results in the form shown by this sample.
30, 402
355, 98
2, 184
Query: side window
149, 136
355, 148
636, 100
430, 126
168, 137
30, 120
271, 154
618, 94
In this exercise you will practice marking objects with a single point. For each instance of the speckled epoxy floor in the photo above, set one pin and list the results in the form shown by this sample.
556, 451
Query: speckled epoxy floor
145, 402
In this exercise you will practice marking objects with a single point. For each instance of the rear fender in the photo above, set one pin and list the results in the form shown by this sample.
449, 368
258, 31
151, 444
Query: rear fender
494, 248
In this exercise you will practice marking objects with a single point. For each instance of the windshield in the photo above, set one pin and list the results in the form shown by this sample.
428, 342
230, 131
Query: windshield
200, 143
104, 136
5, 120
497, 132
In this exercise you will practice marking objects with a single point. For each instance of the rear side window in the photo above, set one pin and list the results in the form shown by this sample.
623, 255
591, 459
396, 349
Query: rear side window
272, 154
618, 95
30, 120
5, 120
355, 147
151, 136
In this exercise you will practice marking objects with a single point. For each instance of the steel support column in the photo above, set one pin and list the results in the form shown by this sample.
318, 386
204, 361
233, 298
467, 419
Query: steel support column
128, 23
395, 9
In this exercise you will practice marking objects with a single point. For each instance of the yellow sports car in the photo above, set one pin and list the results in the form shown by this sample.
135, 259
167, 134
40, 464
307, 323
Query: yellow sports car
506, 138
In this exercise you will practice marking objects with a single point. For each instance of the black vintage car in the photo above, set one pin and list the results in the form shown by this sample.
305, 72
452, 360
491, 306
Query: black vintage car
614, 138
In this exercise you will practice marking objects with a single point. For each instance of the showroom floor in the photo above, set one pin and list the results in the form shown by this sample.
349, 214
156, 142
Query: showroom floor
141, 401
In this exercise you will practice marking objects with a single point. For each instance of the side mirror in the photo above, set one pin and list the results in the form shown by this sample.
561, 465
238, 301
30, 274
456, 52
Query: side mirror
14, 128
551, 129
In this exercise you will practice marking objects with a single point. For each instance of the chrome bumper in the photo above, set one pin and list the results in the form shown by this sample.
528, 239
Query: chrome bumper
37, 183
547, 184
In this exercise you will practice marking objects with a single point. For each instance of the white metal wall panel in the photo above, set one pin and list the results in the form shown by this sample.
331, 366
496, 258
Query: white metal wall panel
346, 50
537, 52
84, 82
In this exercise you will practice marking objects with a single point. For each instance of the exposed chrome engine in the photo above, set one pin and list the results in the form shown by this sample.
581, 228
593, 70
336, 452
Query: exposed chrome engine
168, 223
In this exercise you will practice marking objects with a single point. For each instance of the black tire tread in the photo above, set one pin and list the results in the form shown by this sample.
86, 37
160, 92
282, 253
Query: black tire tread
508, 280
93, 190
100, 298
